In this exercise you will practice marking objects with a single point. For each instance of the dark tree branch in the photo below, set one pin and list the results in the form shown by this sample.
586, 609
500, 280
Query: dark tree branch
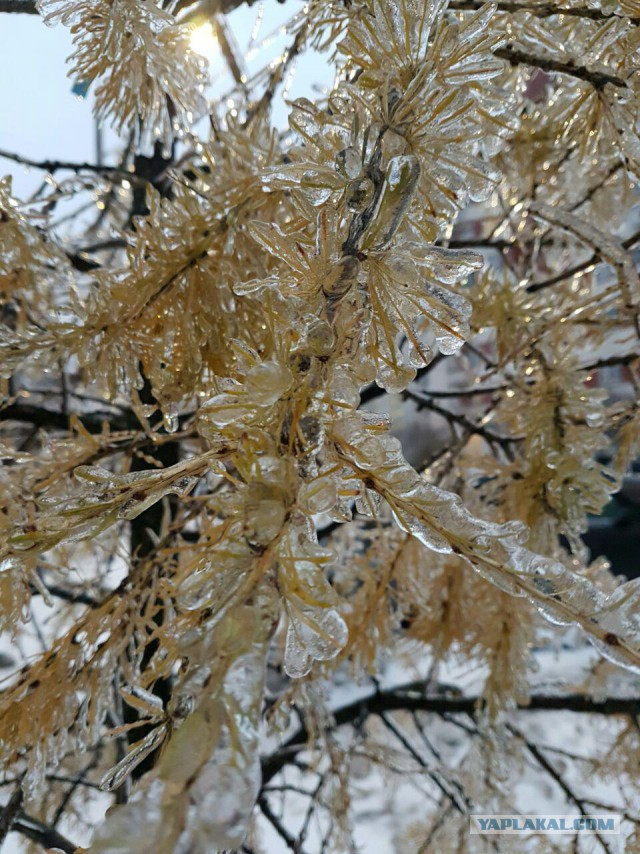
64, 778
612, 361
539, 10
424, 402
9, 813
75, 597
42, 833
596, 258
113, 243
25, 7
371, 392
277, 74
480, 243
58, 165
598, 79
81, 262
144, 546
593, 190
564, 275
75, 782
313, 800
39, 416
456, 797
277, 825
410, 698
465, 392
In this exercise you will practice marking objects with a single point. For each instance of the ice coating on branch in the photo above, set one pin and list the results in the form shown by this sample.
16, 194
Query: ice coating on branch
437, 69
619, 617
442, 523
116, 776
561, 420
27, 261
446, 265
402, 31
106, 498
608, 247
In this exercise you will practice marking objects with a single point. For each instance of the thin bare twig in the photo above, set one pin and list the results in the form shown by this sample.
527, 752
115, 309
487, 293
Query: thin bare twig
595, 258
457, 798
424, 402
57, 165
555, 775
277, 825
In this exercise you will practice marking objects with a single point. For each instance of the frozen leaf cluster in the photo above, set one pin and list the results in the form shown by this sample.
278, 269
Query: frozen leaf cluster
147, 77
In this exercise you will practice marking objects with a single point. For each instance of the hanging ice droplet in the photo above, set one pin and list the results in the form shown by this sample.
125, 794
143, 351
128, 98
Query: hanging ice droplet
350, 162
116, 775
170, 418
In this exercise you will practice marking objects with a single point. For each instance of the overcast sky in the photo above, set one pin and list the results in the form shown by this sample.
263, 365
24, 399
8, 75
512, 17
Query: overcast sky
41, 118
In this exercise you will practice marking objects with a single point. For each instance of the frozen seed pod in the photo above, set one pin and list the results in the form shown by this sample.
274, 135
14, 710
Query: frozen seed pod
400, 182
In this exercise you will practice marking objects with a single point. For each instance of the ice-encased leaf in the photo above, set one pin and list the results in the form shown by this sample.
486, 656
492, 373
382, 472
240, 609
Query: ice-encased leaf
313, 634
315, 629
243, 402
446, 265
318, 495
